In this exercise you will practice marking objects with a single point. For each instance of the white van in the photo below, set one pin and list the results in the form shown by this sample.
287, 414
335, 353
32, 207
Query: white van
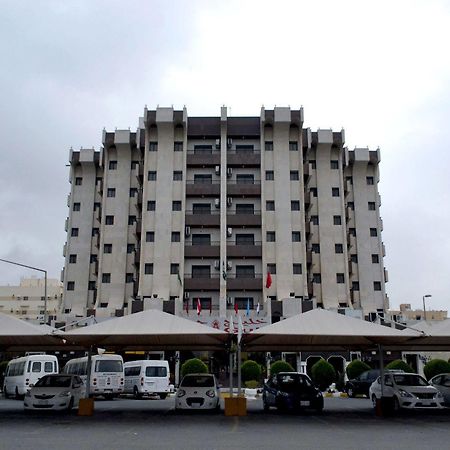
107, 378
147, 377
22, 373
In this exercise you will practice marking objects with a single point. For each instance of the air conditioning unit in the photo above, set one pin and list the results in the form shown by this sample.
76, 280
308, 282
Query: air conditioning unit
186, 295
229, 232
217, 170
229, 142
217, 202
217, 265
229, 172
229, 265
229, 201
217, 143
187, 231
229, 301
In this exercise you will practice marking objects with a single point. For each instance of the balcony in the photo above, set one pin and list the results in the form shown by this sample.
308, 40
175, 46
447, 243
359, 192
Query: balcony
251, 219
140, 173
203, 157
138, 228
308, 203
249, 188
309, 259
235, 250
206, 219
237, 282
137, 256
239, 158
306, 173
202, 250
194, 188
207, 282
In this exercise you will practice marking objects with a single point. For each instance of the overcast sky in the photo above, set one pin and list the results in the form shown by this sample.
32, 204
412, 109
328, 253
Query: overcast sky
381, 70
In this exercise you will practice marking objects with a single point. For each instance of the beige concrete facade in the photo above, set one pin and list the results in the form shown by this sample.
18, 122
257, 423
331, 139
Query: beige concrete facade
203, 208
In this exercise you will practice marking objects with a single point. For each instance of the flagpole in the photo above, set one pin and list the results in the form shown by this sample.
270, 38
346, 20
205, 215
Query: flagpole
231, 358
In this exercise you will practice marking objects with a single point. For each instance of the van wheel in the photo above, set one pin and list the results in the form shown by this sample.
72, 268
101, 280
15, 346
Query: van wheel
18, 396
163, 396
136, 393
70, 407
5, 392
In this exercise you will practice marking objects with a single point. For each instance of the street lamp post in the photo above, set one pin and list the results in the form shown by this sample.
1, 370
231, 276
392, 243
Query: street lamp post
424, 310
45, 283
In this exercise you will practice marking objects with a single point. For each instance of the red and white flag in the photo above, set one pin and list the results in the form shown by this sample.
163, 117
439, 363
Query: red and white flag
199, 307
268, 280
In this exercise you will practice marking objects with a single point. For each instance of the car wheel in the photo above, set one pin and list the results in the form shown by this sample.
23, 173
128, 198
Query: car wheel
374, 401
70, 407
136, 393
396, 405
17, 394
163, 396
350, 392
5, 392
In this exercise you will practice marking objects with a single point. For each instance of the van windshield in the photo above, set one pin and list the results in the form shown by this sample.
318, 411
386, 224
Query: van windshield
156, 372
197, 381
108, 365
57, 381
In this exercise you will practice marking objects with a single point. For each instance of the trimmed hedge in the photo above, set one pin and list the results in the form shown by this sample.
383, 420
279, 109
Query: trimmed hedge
280, 366
435, 367
323, 374
250, 370
251, 384
193, 365
399, 364
356, 368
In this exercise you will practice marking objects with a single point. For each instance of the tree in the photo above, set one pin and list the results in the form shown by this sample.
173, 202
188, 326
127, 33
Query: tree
356, 368
435, 367
399, 364
250, 370
280, 366
193, 365
323, 374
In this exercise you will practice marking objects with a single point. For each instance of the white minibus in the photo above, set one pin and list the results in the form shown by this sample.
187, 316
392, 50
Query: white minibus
22, 373
147, 377
107, 377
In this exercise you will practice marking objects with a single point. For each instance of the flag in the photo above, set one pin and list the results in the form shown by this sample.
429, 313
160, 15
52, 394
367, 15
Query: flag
187, 307
199, 307
268, 280
231, 325
236, 309
240, 330
257, 308
248, 307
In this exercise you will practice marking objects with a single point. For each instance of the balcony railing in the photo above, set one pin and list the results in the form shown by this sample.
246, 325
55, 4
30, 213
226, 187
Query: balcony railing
244, 249
206, 250
199, 281
244, 281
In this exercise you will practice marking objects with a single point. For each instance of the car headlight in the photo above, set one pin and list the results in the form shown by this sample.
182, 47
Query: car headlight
211, 393
181, 393
404, 393
64, 394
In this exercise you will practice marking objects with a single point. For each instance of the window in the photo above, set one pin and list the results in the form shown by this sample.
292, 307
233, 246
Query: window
245, 178
246, 148
270, 236
245, 271
315, 220
107, 248
245, 208
297, 269
337, 220
95, 231
153, 147
272, 269
371, 206
202, 178
295, 205
151, 205
355, 285
373, 232
352, 231
335, 192
296, 236
151, 175
202, 149
354, 258
375, 259
78, 181
270, 205
72, 259
71, 285
177, 175
176, 205
175, 236
369, 180
93, 258
268, 146
334, 164
340, 278
113, 165
74, 232
174, 269
129, 278
111, 192
315, 248
338, 248
293, 146
130, 248
351, 205
150, 236
313, 164
294, 175
76, 206
97, 206
317, 278
131, 220
178, 146
148, 269
201, 272
106, 278
245, 239
91, 286
134, 165
201, 208
133, 192
201, 239
349, 179
269, 175
377, 285
313, 191
109, 220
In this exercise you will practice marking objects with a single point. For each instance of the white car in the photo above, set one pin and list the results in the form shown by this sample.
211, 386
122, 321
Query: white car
198, 391
442, 383
407, 390
55, 392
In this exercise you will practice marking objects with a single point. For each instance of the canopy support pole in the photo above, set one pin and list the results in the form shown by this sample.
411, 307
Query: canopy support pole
231, 374
239, 381
88, 373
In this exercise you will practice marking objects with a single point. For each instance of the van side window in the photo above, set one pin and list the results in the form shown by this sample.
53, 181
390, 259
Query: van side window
36, 367
48, 367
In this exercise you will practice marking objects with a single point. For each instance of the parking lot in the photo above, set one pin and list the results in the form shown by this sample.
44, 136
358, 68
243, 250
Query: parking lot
127, 423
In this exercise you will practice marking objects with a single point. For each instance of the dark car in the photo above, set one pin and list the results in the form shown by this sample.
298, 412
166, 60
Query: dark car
291, 390
361, 384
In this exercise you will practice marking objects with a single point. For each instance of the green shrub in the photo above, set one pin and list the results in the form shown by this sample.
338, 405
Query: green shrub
193, 365
250, 370
280, 366
323, 374
435, 367
251, 384
399, 364
356, 368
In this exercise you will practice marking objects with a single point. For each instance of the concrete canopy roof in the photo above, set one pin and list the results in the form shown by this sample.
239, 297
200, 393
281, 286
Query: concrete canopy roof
325, 330
436, 335
150, 329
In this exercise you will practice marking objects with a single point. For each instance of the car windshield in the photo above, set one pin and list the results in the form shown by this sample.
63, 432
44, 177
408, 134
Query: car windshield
58, 381
197, 381
291, 382
109, 365
156, 372
410, 380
